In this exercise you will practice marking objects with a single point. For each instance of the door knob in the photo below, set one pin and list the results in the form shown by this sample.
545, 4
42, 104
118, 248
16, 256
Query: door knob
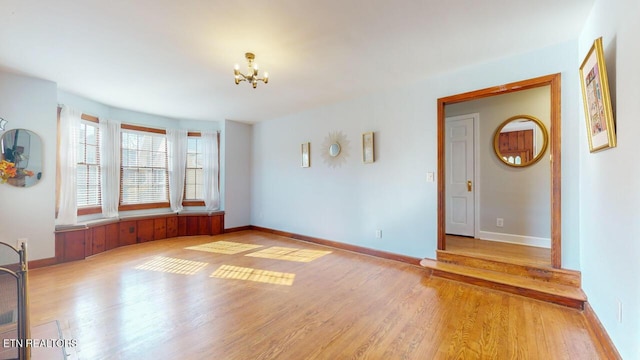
469, 185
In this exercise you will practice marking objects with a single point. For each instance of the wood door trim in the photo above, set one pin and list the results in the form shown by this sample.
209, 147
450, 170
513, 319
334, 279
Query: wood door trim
553, 81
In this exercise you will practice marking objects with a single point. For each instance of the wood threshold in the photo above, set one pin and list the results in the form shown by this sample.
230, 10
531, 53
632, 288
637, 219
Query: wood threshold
557, 293
543, 273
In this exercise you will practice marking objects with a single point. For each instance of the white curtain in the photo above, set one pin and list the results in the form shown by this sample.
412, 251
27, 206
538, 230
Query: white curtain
177, 148
69, 126
110, 167
210, 171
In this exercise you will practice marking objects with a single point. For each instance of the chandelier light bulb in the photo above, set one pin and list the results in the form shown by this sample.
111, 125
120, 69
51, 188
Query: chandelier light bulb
252, 75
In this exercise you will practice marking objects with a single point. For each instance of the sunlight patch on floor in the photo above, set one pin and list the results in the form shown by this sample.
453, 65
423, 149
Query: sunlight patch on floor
257, 275
224, 247
172, 265
289, 254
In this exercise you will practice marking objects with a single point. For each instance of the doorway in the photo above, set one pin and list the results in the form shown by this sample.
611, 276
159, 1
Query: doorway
553, 81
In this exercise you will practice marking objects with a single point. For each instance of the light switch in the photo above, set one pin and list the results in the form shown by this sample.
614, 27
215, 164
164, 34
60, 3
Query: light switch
430, 177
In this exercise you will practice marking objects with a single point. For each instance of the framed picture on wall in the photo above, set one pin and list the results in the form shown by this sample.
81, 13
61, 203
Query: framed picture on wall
367, 148
306, 155
598, 112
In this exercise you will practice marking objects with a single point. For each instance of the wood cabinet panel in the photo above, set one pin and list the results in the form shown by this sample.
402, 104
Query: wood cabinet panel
112, 236
192, 225
182, 225
204, 225
159, 228
217, 224
88, 242
73, 245
172, 226
128, 233
99, 238
145, 230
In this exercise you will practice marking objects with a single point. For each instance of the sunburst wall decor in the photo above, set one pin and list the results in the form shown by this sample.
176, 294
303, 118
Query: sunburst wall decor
335, 149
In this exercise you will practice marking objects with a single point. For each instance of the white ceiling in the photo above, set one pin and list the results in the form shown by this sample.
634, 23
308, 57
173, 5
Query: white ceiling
175, 58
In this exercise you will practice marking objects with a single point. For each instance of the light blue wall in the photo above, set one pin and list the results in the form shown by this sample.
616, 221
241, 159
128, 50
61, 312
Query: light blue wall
30, 104
609, 195
348, 204
237, 175
100, 110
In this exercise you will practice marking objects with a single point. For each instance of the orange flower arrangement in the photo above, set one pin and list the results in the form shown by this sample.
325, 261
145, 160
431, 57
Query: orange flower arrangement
9, 170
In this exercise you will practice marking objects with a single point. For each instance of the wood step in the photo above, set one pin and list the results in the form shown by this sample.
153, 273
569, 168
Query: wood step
561, 294
560, 276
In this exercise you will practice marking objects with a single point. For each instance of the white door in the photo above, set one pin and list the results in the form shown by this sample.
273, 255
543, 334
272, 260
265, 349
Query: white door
460, 184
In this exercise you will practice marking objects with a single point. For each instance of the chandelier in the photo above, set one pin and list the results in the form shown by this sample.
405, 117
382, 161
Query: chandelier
252, 74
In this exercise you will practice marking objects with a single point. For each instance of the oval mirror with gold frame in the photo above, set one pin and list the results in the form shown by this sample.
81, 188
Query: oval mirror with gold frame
23, 150
520, 140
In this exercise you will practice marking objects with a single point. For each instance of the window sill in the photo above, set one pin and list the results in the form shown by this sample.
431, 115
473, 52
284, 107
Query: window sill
90, 221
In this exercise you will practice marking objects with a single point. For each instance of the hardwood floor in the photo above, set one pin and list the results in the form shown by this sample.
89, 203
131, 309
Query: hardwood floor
340, 306
499, 251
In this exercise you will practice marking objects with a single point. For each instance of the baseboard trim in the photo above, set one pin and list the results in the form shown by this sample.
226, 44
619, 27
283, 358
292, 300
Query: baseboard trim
516, 239
236, 229
34, 264
343, 246
600, 333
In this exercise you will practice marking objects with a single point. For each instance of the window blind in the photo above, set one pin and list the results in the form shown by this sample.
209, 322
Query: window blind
143, 172
193, 184
88, 188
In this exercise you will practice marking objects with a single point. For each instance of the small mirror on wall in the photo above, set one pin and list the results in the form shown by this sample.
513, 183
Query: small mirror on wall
21, 157
334, 149
520, 141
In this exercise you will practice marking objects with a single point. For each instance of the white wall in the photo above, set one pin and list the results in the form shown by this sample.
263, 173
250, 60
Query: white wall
29, 212
237, 194
349, 203
609, 195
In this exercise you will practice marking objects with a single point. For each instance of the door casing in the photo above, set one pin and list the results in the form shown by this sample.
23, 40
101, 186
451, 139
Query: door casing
553, 81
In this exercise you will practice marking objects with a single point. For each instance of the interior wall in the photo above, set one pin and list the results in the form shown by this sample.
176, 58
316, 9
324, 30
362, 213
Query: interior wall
100, 110
520, 196
30, 104
609, 215
237, 174
349, 203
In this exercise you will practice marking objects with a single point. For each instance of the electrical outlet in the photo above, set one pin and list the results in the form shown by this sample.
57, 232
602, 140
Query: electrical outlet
378, 234
499, 222
20, 242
